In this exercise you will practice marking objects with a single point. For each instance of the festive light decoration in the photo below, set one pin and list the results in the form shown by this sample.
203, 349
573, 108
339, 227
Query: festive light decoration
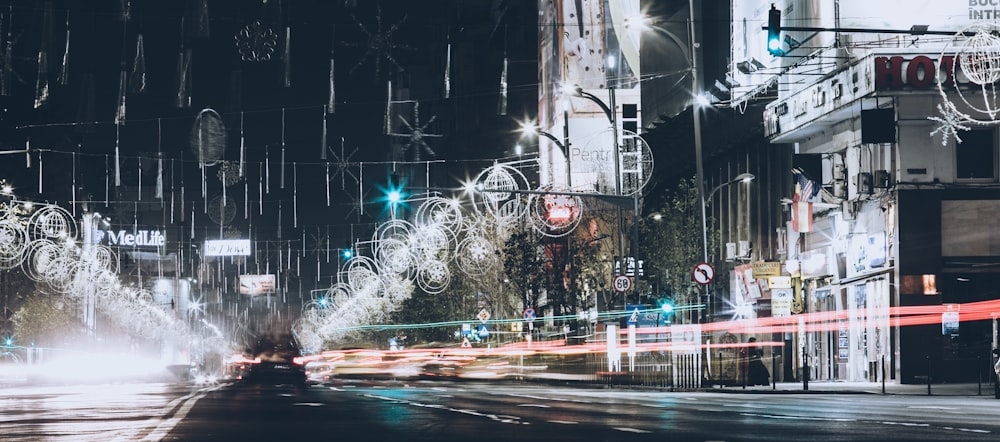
971, 79
379, 45
256, 42
415, 137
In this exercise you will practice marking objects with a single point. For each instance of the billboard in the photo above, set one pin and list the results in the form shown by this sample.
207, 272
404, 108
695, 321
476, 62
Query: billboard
255, 285
584, 45
227, 247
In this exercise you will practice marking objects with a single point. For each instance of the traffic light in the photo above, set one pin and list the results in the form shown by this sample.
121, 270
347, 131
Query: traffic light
346, 253
774, 31
667, 305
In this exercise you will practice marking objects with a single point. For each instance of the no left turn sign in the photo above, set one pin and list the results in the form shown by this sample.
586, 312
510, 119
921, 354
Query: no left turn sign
703, 273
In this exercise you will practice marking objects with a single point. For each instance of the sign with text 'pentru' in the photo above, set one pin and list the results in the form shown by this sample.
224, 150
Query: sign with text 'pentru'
227, 247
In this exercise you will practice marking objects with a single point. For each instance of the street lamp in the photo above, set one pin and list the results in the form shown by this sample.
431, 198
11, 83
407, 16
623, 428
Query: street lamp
741, 178
529, 128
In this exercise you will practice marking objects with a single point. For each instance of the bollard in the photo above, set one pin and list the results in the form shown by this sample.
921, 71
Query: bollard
805, 370
883, 374
928, 375
719, 373
774, 373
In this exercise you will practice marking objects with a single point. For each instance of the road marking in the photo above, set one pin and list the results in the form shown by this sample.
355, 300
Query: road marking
631, 430
534, 405
498, 418
803, 418
968, 430
308, 404
931, 407
161, 430
905, 424
564, 422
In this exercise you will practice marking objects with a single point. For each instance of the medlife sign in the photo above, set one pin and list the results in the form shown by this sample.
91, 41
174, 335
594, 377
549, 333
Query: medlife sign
140, 238
227, 247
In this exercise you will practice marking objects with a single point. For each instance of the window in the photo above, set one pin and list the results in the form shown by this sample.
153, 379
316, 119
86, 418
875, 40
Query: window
975, 156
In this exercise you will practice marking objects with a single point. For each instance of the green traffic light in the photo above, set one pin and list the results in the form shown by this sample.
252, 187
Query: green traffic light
667, 307
774, 31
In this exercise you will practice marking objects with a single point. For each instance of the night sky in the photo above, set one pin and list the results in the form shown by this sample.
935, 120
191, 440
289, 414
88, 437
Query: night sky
269, 113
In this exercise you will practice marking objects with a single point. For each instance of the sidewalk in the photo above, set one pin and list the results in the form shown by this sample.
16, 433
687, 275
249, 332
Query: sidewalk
839, 387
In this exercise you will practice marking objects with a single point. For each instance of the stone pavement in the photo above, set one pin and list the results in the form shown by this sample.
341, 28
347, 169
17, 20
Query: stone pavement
984, 389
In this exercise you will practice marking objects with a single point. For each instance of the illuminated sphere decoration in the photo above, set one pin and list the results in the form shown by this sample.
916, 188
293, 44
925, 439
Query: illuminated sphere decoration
979, 57
555, 215
13, 243
968, 88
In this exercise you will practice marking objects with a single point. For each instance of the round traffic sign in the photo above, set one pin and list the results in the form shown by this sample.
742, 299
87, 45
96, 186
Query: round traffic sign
703, 273
529, 314
622, 283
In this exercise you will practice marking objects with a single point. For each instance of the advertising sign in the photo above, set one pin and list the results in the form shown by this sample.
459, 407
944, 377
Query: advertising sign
781, 302
254, 285
139, 238
227, 247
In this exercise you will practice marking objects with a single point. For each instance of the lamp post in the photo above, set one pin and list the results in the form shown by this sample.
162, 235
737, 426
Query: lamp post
609, 112
741, 178
529, 128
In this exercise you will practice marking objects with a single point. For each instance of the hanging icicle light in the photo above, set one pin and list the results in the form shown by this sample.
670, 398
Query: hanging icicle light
388, 107
502, 103
122, 91
447, 70
63, 79
7, 69
331, 99
42, 81
286, 59
138, 79
182, 95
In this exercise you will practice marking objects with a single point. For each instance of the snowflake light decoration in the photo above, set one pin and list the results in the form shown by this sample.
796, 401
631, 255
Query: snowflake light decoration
379, 45
415, 138
256, 42
342, 164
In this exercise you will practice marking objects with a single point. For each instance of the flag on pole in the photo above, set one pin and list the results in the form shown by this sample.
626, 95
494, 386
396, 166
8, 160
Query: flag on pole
802, 216
806, 188
802, 208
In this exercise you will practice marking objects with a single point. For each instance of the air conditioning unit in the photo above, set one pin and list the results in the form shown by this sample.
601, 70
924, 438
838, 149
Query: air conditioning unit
882, 180
848, 210
730, 251
839, 188
744, 249
863, 181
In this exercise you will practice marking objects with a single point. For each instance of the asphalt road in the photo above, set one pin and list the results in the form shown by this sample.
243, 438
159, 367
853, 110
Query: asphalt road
465, 411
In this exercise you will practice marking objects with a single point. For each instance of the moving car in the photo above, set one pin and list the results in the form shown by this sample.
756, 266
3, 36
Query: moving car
277, 361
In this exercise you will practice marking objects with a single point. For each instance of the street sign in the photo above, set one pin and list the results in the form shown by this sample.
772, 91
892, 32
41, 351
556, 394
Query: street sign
634, 317
483, 331
623, 283
703, 273
529, 314
483, 316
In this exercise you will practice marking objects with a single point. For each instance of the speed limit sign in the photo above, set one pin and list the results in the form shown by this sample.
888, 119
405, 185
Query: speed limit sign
622, 283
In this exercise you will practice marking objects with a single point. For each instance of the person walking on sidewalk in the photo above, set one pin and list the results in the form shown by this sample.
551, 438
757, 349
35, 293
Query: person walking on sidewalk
756, 373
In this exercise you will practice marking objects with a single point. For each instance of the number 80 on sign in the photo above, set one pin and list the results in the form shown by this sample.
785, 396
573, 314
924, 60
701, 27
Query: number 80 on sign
622, 283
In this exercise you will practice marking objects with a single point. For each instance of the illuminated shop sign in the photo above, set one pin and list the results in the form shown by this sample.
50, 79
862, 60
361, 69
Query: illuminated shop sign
917, 72
139, 238
227, 247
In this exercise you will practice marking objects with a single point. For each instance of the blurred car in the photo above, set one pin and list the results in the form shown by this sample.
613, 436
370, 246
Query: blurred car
277, 360
276, 372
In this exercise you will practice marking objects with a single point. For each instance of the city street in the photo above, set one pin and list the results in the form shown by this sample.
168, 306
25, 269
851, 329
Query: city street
422, 410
